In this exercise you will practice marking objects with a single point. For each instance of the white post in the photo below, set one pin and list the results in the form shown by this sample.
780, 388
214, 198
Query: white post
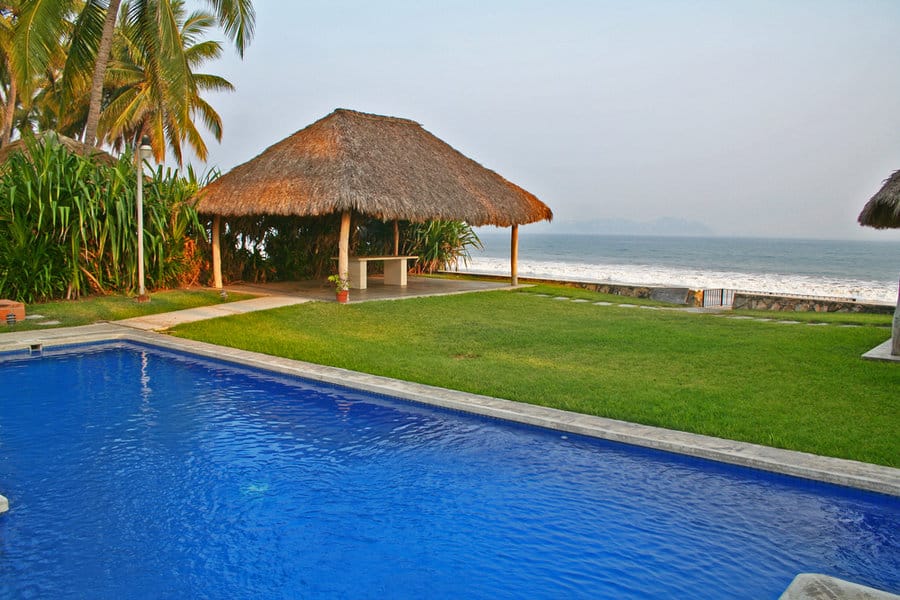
139, 158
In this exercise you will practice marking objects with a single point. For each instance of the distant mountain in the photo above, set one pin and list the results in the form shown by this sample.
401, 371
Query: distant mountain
661, 226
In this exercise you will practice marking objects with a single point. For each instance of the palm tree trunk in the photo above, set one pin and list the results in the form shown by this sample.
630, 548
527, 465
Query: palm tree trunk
9, 111
109, 26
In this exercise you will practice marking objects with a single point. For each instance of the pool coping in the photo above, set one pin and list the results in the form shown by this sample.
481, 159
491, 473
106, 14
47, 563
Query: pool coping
855, 474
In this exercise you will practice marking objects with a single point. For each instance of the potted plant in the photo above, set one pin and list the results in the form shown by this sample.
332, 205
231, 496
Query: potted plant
341, 288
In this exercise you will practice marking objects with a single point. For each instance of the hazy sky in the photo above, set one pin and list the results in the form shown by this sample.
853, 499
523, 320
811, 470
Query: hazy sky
757, 118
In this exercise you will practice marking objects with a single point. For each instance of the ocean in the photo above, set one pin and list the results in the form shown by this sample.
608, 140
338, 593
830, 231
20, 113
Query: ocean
862, 270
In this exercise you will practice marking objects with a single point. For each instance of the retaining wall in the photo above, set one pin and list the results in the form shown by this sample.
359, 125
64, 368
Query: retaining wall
674, 295
688, 297
743, 300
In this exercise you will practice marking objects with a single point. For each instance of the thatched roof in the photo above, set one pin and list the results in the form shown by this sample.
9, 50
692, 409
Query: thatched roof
883, 210
74, 146
384, 167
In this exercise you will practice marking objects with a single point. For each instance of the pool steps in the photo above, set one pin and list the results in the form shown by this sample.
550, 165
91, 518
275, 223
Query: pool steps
815, 586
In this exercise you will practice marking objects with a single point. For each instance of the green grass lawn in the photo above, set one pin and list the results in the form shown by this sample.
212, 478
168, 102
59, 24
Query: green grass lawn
814, 317
112, 308
797, 386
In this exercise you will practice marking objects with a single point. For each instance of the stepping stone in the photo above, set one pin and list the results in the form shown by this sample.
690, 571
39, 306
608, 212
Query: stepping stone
628, 305
788, 322
817, 324
602, 303
49, 323
35, 317
579, 300
562, 298
763, 320
849, 325
649, 307
740, 317
542, 295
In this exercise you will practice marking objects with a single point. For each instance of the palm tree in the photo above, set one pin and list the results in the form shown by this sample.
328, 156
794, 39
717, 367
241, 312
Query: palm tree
153, 89
236, 17
10, 92
30, 39
882, 211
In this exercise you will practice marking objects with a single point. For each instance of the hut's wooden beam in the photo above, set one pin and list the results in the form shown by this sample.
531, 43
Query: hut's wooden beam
217, 251
396, 238
514, 256
344, 246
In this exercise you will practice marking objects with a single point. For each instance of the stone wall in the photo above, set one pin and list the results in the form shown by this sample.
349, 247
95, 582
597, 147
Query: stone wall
742, 300
673, 295
746, 301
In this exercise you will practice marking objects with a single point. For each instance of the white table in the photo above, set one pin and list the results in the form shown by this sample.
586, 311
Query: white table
395, 269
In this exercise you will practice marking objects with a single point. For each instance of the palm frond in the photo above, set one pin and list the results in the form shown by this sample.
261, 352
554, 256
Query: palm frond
238, 19
82, 51
38, 32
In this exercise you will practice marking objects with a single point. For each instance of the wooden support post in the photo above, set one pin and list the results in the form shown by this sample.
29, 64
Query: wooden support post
344, 246
217, 252
396, 238
895, 328
514, 256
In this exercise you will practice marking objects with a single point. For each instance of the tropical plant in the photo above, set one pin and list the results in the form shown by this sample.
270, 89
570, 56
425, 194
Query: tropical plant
155, 92
68, 226
341, 284
54, 56
31, 54
157, 28
268, 248
440, 245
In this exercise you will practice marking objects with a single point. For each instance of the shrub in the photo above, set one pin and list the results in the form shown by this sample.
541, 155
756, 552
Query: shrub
68, 224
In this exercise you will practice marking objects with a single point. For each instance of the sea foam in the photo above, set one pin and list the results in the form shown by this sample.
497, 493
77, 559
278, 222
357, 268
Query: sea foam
654, 275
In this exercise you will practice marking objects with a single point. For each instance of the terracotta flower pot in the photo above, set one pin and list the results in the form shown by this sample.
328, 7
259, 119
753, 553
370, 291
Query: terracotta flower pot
343, 296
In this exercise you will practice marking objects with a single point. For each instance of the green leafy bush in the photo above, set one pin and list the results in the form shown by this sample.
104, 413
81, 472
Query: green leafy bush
68, 225
270, 248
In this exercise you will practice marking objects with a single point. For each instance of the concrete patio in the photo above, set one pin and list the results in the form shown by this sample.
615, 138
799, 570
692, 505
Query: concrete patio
416, 287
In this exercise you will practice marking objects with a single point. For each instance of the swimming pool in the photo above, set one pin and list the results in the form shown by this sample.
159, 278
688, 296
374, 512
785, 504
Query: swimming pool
137, 472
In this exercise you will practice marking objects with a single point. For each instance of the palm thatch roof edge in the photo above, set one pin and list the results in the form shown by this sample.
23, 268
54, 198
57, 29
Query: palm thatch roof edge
74, 146
386, 167
882, 211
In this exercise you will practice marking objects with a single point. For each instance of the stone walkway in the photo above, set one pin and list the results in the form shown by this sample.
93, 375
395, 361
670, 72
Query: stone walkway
716, 312
287, 293
881, 352
161, 321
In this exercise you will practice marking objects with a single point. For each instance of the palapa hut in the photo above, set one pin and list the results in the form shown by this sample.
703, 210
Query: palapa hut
383, 167
882, 211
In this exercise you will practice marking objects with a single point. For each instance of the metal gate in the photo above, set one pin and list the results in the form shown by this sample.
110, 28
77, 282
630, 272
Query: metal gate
718, 298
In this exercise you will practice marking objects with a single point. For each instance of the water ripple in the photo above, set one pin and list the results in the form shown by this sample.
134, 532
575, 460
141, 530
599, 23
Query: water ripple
206, 481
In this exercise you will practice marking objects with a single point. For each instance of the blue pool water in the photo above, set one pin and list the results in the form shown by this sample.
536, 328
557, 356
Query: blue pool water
134, 472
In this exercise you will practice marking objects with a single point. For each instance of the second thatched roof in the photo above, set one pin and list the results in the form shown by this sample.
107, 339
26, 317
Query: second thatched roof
74, 146
883, 210
384, 167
